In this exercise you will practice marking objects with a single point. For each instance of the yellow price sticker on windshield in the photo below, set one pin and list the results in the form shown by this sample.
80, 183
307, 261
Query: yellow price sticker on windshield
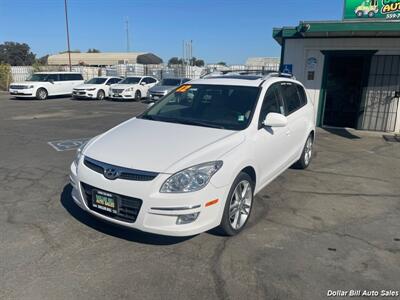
183, 89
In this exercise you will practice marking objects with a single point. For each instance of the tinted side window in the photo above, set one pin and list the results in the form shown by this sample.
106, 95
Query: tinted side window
150, 80
290, 96
53, 77
302, 94
71, 77
271, 103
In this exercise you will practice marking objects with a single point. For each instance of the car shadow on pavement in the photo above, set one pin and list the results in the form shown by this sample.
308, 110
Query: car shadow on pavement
342, 132
112, 229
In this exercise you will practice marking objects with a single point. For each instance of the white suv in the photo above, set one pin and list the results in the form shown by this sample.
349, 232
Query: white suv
195, 159
132, 88
43, 84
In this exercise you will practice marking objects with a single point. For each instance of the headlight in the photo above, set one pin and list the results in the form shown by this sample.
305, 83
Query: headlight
191, 179
90, 89
130, 89
79, 154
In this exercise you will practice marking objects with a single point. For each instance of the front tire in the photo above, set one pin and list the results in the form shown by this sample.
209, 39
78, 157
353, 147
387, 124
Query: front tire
306, 155
138, 95
238, 205
41, 94
100, 95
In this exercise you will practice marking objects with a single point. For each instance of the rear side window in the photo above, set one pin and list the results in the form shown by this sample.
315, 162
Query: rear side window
290, 96
271, 103
71, 77
150, 80
53, 77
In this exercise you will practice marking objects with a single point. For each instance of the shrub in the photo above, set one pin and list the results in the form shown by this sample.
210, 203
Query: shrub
5, 76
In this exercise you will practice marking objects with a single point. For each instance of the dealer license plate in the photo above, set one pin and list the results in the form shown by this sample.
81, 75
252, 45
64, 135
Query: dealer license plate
104, 201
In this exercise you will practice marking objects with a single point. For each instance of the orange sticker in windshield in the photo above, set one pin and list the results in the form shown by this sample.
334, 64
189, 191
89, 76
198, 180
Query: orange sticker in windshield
183, 89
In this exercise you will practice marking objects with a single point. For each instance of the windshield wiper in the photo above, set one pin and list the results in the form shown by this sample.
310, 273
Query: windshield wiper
193, 122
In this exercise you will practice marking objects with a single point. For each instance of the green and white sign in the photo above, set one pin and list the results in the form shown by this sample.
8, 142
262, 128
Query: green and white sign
372, 9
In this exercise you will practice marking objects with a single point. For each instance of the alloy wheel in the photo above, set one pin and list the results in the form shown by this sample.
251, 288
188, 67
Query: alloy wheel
308, 151
240, 204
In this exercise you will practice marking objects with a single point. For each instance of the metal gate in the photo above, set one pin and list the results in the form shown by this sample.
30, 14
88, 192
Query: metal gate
378, 109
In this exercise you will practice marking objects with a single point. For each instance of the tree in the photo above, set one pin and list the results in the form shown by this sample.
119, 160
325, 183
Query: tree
43, 60
222, 63
93, 50
175, 61
199, 63
16, 54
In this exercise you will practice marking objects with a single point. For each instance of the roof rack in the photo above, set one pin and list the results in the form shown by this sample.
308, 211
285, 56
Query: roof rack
264, 74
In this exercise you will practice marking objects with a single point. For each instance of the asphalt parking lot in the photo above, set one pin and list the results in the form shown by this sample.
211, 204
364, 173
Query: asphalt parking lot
332, 227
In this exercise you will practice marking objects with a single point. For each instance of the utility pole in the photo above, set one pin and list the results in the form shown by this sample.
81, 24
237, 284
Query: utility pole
127, 35
66, 23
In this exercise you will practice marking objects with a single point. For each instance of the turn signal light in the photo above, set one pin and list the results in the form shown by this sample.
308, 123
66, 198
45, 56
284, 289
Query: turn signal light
212, 202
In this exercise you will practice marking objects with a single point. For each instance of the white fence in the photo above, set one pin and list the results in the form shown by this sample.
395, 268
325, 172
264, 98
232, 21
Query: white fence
21, 73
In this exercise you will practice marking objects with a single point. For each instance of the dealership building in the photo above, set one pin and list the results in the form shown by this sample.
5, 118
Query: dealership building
351, 68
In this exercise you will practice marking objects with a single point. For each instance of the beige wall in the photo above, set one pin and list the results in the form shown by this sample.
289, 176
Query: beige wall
297, 51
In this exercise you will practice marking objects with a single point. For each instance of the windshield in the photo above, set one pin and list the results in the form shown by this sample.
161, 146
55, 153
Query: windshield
171, 81
97, 80
130, 80
218, 106
38, 77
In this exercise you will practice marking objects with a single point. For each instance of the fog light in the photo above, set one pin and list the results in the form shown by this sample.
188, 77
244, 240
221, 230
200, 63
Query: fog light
186, 219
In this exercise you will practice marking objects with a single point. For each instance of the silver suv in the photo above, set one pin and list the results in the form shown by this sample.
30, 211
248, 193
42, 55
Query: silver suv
166, 85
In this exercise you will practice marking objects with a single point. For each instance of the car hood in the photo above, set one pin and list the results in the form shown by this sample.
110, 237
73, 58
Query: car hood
161, 147
25, 83
88, 86
162, 88
123, 86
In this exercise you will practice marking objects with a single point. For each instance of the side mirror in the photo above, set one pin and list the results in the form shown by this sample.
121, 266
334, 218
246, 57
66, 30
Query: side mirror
143, 83
150, 104
275, 120
51, 81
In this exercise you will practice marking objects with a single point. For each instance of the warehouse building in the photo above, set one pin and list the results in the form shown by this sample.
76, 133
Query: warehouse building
351, 68
104, 58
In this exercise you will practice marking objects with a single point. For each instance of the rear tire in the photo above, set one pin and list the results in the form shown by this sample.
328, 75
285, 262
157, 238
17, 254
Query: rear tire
138, 95
100, 95
306, 155
41, 94
238, 205
360, 14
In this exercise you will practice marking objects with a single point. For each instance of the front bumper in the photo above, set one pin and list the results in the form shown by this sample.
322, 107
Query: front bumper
156, 96
123, 95
84, 94
22, 92
159, 211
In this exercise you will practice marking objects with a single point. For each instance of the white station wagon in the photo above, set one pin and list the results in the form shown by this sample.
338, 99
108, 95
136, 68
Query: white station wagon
43, 84
195, 159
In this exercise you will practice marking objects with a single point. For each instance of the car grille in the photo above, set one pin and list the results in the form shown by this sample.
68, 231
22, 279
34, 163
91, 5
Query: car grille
117, 91
122, 173
158, 94
18, 87
128, 207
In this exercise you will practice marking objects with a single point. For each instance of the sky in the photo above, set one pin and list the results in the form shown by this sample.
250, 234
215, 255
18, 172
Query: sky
221, 30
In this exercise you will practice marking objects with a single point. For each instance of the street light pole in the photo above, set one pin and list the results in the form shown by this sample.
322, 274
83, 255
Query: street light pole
66, 23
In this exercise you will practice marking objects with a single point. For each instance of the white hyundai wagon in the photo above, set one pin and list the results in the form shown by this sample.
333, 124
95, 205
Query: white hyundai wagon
195, 159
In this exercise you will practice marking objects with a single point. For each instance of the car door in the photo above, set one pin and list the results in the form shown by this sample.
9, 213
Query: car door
297, 118
54, 86
271, 143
